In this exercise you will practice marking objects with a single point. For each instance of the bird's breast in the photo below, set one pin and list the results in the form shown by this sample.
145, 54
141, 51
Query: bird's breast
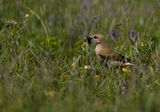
97, 49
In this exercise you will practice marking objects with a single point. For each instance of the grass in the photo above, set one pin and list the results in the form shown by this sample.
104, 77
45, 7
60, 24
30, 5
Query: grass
46, 66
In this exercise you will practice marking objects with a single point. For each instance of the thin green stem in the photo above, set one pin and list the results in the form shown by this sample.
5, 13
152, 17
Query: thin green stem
44, 27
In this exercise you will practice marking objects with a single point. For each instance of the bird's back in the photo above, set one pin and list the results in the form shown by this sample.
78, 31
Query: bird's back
105, 52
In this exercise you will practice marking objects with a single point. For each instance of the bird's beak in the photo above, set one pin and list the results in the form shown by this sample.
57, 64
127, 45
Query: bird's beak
88, 39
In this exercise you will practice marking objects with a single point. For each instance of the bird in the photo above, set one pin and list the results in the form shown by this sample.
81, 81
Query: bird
107, 56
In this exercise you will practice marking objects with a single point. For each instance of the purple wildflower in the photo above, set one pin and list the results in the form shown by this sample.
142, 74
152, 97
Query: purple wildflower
51, 19
116, 33
133, 35
112, 33
124, 83
157, 69
123, 89
85, 3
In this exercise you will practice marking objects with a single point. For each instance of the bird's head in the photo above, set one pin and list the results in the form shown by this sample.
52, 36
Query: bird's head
96, 38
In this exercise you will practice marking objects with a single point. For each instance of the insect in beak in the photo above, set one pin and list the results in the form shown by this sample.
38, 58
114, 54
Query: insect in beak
88, 39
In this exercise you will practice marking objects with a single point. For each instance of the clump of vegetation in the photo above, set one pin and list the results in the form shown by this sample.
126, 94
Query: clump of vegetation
47, 66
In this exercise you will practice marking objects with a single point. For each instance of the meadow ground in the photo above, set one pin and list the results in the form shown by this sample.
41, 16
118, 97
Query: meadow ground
45, 66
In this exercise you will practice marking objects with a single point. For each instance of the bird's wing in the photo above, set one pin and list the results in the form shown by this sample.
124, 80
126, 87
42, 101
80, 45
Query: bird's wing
111, 54
120, 57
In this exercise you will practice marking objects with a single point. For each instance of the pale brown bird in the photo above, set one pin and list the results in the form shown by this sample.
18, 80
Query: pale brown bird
106, 55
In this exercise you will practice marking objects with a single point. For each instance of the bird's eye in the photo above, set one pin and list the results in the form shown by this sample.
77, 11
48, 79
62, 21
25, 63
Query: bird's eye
95, 37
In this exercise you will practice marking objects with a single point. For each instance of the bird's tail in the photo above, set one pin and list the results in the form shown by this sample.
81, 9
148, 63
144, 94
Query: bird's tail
127, 64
